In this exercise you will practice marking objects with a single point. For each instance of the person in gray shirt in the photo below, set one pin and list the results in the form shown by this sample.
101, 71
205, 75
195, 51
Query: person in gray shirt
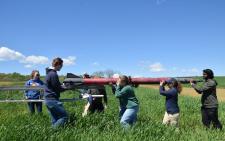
209, 100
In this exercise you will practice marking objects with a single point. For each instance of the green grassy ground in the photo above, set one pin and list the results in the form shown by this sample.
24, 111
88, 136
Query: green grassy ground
8, 83
17, 124
221, 81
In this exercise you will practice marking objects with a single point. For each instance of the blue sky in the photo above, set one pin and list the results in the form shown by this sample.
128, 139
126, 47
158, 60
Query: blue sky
136, 37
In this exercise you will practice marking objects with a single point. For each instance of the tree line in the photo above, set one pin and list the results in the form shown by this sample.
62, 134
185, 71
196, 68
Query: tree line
15, 77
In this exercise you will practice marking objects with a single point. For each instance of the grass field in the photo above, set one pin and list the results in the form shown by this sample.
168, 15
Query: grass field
221, 81
17, 124
7, 83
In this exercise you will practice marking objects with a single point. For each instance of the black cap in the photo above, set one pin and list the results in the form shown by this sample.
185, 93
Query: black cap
171, 80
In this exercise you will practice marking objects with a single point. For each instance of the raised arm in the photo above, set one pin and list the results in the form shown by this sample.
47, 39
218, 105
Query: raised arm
171, 92
207, 86
120, 92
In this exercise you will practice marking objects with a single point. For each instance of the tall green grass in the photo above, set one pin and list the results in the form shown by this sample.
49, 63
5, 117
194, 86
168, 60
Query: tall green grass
17, 124
221, 81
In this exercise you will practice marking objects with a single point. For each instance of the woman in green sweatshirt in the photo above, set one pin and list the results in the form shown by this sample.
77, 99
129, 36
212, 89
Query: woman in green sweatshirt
129, 104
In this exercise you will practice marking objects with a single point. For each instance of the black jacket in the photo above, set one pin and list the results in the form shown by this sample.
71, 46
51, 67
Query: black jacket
52, 84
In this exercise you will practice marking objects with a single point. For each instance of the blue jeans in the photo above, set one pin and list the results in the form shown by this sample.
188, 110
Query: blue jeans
128, 116
31, 106
57, 112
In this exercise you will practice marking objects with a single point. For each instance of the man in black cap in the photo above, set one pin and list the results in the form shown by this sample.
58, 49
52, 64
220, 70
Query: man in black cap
209, 100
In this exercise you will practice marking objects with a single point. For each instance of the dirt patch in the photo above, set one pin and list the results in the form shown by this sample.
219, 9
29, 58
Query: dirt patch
192, 92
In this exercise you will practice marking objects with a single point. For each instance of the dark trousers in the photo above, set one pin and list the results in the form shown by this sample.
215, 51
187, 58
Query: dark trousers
210, 115
96, 107
31, 106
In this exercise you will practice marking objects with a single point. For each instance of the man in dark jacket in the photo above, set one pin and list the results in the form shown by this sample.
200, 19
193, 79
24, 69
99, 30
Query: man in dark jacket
52, 93
209, 100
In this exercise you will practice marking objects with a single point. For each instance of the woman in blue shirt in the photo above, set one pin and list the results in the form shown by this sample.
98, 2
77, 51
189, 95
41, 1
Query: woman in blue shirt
34, 94
172, 109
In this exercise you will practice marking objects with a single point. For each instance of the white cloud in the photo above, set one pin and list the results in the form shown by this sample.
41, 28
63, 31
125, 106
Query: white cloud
159, 2
35, 60
159, 68
96, 64
9, 54
138, 76
28, 66
192, 70
174, 69
156, 67
69, 61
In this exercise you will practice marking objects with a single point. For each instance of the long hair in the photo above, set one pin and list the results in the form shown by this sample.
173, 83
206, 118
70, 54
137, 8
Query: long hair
209, 73
33, 73
124, 79
177, 85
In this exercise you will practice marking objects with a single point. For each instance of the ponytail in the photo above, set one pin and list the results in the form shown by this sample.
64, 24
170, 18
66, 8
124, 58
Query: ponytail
179, 87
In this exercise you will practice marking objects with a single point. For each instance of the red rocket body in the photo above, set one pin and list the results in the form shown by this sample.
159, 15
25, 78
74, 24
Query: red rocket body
78, 81
106, 81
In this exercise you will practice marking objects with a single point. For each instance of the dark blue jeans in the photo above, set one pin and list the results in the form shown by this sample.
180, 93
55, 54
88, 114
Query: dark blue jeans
31, 106
57, 112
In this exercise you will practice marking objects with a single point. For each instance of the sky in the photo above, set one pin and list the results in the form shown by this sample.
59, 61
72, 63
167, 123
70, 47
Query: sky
141, 38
